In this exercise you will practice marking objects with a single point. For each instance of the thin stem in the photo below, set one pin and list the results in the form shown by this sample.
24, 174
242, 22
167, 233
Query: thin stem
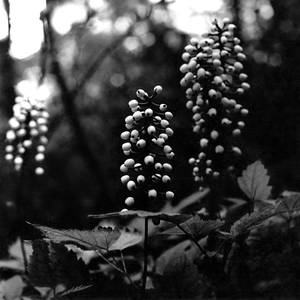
20, 206
109, 262
124, 273
7, 9
192, 238
68, 98
123, 261
145, 259
24, 255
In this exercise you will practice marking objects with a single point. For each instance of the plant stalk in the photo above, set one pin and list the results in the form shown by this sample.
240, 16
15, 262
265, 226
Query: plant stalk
145, 271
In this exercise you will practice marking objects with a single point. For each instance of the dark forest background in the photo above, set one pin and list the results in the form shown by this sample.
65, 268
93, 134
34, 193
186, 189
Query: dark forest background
84, 152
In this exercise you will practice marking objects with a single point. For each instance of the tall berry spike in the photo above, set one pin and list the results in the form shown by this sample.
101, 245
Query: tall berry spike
27, 129
214, 81
146, 168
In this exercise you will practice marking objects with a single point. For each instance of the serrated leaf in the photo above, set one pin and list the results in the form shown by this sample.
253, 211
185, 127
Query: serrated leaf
251, 221
126, 240
289, 205
196, 227
99, 238
170, 217
66, 268
254, 182
39, 268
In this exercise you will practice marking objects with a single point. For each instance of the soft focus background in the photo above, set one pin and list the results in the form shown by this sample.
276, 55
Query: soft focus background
134, 47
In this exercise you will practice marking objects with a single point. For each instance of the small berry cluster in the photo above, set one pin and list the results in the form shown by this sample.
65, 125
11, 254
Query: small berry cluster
214, 80
145, 143
27, 127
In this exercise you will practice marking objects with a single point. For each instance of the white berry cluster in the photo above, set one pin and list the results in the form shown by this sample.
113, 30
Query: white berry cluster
146, 145
27, 129
214, 81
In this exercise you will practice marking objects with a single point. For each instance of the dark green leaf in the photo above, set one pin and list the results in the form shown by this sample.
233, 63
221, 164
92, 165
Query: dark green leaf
52, 264
289, 205
179, 276
251, 221
40, 269
169, 254
254, 182
99, 238
196, 227
66, 267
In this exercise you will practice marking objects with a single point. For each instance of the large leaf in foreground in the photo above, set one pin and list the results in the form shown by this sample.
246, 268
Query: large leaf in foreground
196, 227
53, 264
100, 238
254, 182
171, 217
67, 269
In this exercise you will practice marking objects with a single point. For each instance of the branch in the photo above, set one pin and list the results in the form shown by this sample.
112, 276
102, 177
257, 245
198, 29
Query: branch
100, 58
7, 9
68, 102
7, 74
193, 239
69, 95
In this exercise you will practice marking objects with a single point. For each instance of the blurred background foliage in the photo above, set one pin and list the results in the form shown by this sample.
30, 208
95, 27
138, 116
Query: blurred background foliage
138, 44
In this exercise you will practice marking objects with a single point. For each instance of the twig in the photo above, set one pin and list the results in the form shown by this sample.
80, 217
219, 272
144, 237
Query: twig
123, 261
7, 67
69, 95
7, 9
99, 59
70, 108
109, 262
43, 55
192, 238
24, 255
124, 273
20, 208
145, 271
